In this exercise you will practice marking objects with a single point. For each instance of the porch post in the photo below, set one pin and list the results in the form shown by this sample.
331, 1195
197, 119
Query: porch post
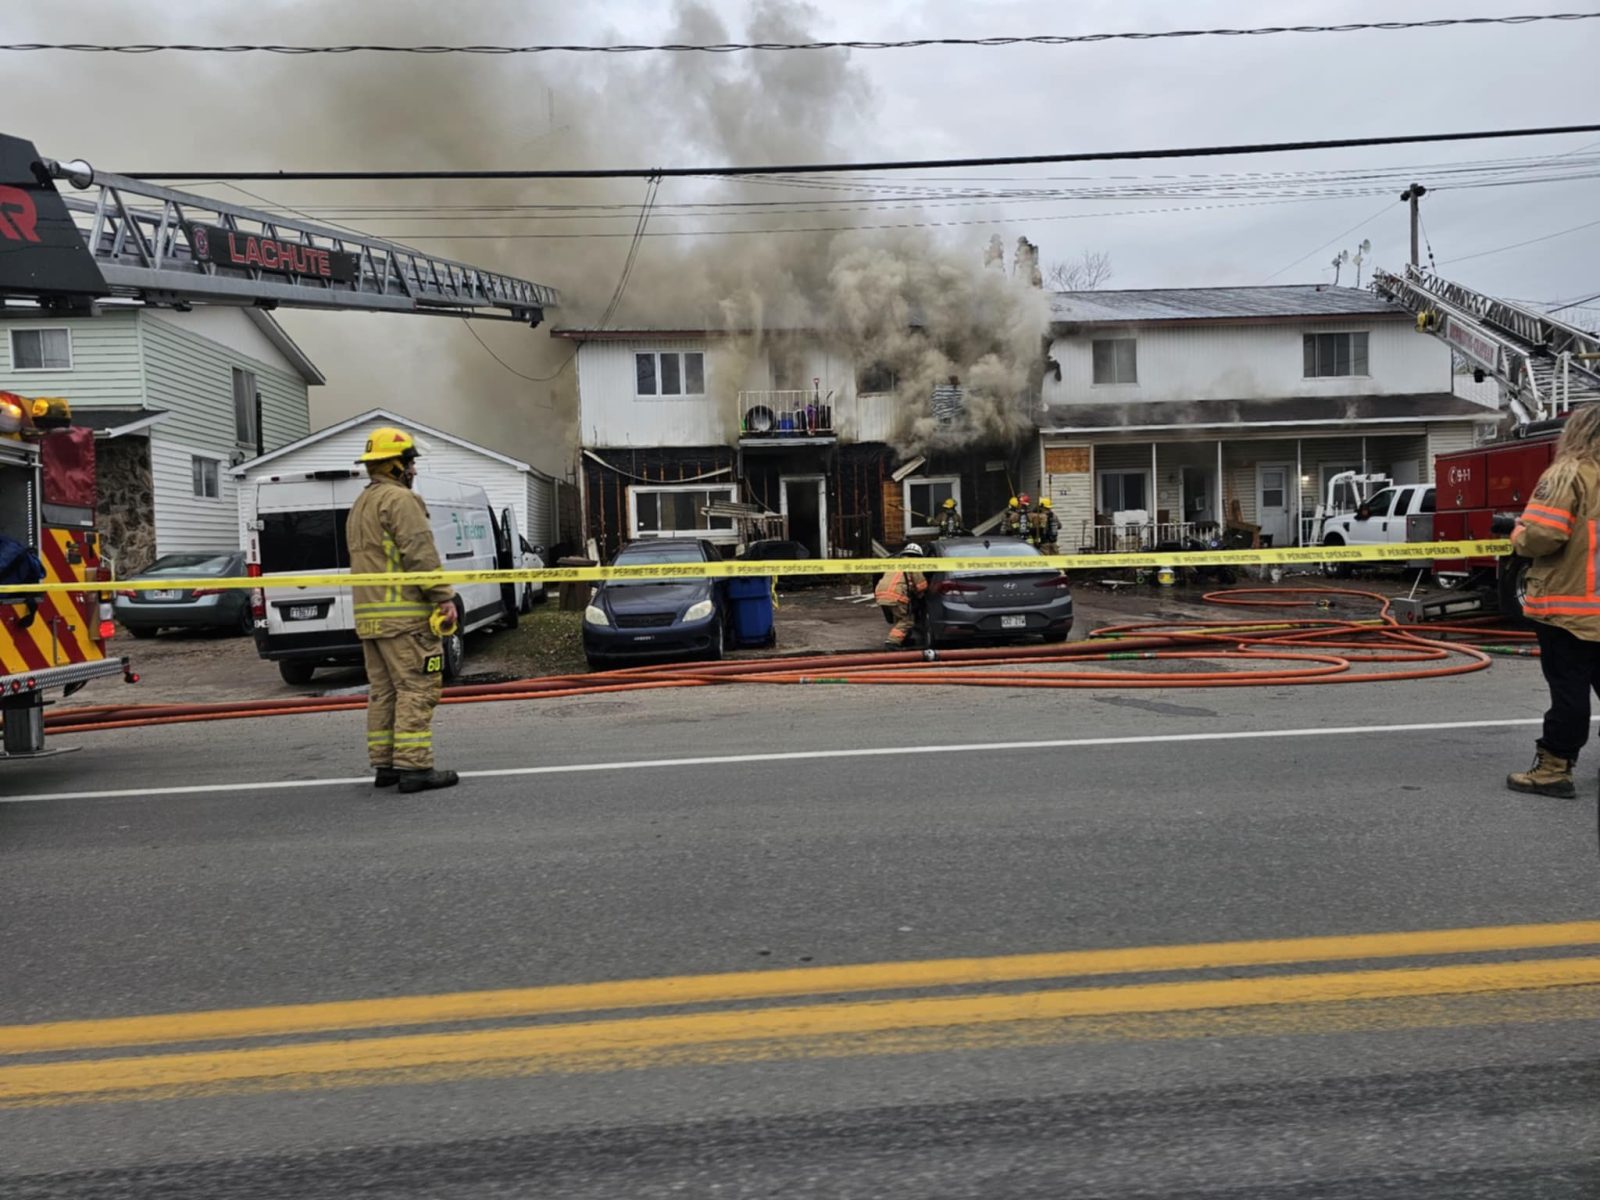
1363, 454
1299, 495
1155, 493
1217, 509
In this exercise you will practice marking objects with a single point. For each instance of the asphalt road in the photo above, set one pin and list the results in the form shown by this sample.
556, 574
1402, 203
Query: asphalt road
790, 966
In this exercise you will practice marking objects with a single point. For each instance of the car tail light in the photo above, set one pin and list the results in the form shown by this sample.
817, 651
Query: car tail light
948, 586
126, 594
1060, 581
198, 592
258, 597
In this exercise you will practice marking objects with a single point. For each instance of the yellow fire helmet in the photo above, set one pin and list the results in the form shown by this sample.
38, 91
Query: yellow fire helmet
1012, 503
948, 503
1044, 502
386, 443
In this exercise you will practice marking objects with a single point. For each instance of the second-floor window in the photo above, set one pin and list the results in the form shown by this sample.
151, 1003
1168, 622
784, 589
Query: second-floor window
1329, 355
670, 373
244, 407
1116, 360
41, 349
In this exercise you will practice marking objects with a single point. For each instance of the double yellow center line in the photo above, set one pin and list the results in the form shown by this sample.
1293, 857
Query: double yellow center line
622, 1040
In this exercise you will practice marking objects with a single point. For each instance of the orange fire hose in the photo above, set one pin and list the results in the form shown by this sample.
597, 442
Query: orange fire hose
1302, 651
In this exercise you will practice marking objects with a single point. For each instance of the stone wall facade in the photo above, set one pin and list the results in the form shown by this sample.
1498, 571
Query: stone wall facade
127, 509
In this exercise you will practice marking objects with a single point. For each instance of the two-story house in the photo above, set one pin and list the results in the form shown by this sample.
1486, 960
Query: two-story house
175, 399
731, 438
1201, 405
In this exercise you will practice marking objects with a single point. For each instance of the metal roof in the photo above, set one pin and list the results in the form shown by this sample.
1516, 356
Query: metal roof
1218, 304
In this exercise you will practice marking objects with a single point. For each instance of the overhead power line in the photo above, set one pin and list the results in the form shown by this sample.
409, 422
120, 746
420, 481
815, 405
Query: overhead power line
1043, 39
924, 164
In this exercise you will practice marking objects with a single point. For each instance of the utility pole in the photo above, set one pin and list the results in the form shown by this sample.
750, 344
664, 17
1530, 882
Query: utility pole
1414, 193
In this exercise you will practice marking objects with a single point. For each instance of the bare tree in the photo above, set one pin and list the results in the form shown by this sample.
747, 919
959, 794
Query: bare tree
1089, 271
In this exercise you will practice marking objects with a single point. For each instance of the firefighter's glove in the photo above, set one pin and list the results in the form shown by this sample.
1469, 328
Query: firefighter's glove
1502, 525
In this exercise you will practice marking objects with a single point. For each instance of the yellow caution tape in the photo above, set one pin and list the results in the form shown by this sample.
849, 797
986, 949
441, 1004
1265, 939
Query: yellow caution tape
1407, 552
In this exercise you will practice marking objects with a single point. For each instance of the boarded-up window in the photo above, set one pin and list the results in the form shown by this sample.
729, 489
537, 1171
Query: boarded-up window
1066, 460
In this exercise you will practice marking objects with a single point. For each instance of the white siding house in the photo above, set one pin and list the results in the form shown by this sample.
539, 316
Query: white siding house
674, 421
175, 398
1207, 406
509, 483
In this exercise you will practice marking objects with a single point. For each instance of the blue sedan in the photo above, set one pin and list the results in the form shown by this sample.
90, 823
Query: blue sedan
657, 618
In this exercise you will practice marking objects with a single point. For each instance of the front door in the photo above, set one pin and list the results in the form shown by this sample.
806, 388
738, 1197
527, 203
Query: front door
803, 501
1197, 494
1274, 502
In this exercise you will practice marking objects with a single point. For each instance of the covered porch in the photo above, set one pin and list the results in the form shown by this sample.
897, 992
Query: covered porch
1139, 494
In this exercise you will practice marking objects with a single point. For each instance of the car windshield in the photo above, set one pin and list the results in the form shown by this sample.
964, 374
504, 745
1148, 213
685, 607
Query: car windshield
653, 556
189, 564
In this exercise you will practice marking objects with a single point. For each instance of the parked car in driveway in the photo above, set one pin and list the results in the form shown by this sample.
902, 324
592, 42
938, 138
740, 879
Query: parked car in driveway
657, 618
144, 614
969, 606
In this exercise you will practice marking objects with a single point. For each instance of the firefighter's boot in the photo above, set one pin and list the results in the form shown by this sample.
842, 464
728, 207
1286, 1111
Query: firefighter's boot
1550, 775
385, 777
426, 781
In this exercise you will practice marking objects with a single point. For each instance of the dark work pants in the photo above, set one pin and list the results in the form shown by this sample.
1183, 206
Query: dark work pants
1572, 669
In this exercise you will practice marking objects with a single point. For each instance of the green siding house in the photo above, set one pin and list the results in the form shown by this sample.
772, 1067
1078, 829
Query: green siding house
175, 399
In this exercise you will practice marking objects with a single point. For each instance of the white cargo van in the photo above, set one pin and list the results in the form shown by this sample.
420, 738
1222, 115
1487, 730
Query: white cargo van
294, 525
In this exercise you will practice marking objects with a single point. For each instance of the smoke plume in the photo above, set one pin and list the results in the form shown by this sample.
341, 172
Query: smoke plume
922, 307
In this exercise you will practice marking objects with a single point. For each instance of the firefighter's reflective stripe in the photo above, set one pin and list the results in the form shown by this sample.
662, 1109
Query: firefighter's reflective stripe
398, 608
64, 624
1557, 519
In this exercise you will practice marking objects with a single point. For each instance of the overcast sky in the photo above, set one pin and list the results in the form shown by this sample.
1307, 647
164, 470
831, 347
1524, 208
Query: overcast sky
192, 112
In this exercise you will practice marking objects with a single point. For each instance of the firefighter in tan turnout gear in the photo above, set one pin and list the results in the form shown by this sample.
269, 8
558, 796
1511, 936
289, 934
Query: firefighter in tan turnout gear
399, 626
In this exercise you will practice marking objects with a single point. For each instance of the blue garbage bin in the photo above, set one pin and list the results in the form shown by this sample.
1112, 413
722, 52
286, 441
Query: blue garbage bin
751, 603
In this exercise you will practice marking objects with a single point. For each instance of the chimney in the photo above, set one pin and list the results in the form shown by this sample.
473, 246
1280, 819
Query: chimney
1026, 264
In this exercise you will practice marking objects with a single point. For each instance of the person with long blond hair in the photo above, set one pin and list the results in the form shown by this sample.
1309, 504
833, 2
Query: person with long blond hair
1560, 531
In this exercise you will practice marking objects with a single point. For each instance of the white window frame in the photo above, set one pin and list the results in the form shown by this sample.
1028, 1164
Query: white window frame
905, 498
216, 466
1113, 342
234, 376
683, 375
729, 490
1149, 491
1352, 334
41, 329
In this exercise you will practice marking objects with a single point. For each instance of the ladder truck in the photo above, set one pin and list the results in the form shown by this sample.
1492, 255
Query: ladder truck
1544, 367
114, 237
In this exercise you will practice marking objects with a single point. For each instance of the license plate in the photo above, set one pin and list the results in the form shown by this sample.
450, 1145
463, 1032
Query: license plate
1014, 622
304, 612
164, 595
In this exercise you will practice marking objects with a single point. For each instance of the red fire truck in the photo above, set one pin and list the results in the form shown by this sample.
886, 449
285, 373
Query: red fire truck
134, 240
1544, 367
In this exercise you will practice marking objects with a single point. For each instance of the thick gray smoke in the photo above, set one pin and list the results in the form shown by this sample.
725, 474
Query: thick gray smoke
923, 308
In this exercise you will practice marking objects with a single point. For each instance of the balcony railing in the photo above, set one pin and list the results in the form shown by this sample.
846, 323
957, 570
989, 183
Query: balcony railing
785, 413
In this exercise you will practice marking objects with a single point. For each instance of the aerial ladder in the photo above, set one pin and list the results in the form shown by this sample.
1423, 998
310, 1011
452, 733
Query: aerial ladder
114, 237
1543, 365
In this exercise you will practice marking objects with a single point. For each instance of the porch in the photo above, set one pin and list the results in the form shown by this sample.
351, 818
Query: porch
1121, 495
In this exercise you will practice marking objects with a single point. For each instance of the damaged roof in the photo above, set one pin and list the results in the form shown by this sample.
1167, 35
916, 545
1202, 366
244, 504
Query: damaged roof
1223, 414
1289, 302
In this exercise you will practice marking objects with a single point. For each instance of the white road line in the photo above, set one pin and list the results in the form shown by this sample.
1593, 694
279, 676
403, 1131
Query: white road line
725, 760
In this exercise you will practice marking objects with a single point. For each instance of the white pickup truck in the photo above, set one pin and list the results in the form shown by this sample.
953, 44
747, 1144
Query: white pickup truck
1397, 514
